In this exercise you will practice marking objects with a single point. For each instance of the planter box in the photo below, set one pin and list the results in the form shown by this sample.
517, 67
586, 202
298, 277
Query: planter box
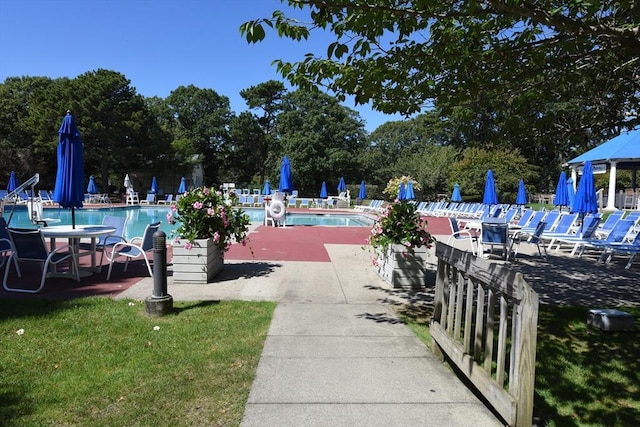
401, 269
200, 264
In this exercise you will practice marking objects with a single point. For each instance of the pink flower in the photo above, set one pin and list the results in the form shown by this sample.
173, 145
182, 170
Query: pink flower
407, 244
188, 246
197, 205
211, 212
216, 237
374, 260
174, 208
205, 191
170, 218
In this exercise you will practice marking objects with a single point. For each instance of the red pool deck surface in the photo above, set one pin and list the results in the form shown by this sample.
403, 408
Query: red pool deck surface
291, 243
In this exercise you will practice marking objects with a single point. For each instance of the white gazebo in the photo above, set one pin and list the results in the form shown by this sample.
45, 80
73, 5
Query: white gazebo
621, 152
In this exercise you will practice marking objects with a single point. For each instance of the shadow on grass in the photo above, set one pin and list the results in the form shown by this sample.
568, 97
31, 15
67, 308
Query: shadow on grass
585, 376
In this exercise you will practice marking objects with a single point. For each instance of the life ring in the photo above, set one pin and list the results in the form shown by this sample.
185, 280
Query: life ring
276, 210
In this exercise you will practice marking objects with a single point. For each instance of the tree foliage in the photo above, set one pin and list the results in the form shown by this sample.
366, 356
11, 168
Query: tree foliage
550, 70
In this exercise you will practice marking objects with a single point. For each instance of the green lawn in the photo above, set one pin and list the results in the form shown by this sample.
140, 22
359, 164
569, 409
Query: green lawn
100, 362
584, 377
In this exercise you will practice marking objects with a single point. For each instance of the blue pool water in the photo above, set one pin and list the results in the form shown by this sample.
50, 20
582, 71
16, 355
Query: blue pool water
139, 216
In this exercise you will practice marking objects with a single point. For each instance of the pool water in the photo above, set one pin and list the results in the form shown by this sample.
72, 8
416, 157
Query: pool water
139, 216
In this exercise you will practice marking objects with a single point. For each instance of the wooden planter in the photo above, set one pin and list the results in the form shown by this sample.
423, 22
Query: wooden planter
402, 269
200, 264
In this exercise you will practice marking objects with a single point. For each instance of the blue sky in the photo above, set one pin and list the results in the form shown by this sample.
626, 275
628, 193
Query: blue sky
157, 44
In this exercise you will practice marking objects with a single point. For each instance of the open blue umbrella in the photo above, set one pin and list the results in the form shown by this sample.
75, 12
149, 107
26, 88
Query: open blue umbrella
363, 191
154, 186
410, 195
455, 195
562, 196
402, 192
69, 189
586, 200
341, 185
286, 177
571, 192
183, 186
323, 190
490, 196
13, 182
91, 188
266, 190
521, 198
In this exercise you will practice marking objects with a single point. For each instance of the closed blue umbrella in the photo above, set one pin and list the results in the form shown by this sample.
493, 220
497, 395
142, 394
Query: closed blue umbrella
562, 196
154, 186
323, 190
586, 200
410, 195
266, 190
286, 177
571, 192
456, 196
363, 191
13, 182
183, 186
521, 198
341, 185
91, 188
490, 196
402, 192
69, 189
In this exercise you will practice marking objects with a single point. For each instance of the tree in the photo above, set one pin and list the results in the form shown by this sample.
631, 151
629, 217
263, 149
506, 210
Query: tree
544, 57
508, 166
267, 97
322, 139
200, 124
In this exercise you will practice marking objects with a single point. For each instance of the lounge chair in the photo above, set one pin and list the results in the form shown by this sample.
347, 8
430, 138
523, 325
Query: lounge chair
45, 198
167, 201
150, 200
632, 248
28, 245
605, 228
617, 235
136, 248
586, 231
493, 234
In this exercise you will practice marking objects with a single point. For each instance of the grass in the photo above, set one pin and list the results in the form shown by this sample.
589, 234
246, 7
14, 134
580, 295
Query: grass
584, 377
101, 362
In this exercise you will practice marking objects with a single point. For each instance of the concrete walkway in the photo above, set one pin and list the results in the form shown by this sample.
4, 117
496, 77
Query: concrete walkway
336, 354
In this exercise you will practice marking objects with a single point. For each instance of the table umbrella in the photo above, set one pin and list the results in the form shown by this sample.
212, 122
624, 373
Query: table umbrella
456, 196
402, 193
490, 196
410, 195
521, 198
286, 178
323, 190
154, 186
91, 188
266, 190
13, 182
586, 200
562, 196
341, 185
69, 189
571, 192
363, 191
182, 188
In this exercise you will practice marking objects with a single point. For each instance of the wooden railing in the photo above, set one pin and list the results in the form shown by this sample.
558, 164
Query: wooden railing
485, 323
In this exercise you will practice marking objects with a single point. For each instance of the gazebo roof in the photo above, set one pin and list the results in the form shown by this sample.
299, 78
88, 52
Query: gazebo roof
624, 148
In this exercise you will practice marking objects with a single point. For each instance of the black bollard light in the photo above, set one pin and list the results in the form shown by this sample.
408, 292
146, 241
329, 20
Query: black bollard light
160, 302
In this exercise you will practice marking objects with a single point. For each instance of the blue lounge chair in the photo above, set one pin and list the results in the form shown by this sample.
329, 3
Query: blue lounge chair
632, 249
617, 235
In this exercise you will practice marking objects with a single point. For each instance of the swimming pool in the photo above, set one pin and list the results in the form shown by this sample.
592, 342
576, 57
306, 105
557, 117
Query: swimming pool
139, 216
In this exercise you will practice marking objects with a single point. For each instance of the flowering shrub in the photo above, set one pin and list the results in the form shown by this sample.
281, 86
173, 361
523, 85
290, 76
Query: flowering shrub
202, 214
393, 186
399, 224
